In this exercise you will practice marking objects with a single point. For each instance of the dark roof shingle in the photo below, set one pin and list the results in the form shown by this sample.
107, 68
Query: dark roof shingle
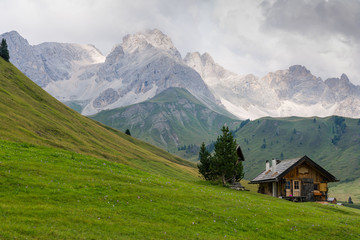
280, 168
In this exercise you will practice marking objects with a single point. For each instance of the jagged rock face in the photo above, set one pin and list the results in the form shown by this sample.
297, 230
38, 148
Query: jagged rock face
207, 68
48, 62
296, 84
107, 97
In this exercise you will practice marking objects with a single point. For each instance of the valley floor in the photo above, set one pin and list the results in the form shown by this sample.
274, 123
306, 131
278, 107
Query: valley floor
47, 193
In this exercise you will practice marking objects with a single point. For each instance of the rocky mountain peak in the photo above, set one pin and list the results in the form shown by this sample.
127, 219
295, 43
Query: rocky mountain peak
14, 37
344, 78
199, 60
149, 39
299, 70
207, 59
339, 83
116, 53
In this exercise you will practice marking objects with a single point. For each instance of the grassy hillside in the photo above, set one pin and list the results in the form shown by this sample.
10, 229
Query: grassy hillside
344, 190
333, 142
293, 137
29, 114
171, 119
49, 193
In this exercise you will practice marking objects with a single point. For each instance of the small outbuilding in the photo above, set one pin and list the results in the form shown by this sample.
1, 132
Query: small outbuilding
298, 179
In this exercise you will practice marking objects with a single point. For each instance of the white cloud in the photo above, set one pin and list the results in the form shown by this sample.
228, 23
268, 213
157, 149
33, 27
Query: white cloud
251, 36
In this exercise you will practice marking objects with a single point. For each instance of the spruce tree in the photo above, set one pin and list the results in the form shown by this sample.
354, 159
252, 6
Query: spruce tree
4, 52
225, 160
127, 132
205, 163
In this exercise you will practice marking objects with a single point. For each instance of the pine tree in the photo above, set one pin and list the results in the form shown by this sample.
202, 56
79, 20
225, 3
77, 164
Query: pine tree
225, 160
4, 52
127, 132
205, 163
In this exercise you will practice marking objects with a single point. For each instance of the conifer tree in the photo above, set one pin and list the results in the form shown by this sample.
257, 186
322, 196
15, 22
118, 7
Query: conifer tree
225, 160
4, 52
205, 163
127, 132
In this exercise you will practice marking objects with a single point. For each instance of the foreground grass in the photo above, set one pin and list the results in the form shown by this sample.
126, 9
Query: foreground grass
48, 193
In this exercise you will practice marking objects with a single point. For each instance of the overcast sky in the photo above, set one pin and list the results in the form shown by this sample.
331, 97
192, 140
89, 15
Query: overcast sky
253, 36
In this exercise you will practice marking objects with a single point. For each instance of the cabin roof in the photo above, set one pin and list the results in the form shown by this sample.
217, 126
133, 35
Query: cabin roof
285, 166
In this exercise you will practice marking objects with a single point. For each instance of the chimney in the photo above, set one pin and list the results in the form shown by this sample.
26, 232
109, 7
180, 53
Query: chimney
273, 165
267, 164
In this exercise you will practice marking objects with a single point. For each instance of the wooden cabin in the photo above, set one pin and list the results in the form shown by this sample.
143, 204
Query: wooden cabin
299, 179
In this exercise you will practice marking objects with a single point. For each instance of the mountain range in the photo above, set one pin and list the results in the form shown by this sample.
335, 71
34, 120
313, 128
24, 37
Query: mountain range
284, 93
145, 64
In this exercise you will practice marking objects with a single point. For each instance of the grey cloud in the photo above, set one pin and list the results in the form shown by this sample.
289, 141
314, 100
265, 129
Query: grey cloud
315, 17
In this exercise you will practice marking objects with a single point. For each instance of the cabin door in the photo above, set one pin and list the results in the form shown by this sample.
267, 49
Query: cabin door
296, 188
288, 188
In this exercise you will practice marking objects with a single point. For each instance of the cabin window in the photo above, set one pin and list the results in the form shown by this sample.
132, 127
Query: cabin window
296, 185
316, 186
288, 185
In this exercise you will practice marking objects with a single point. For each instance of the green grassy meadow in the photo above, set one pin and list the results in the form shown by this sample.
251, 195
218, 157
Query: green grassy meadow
49, 193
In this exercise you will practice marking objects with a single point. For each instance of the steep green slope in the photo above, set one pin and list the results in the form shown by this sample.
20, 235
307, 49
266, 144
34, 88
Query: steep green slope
48, 193
171, 119
29, 114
